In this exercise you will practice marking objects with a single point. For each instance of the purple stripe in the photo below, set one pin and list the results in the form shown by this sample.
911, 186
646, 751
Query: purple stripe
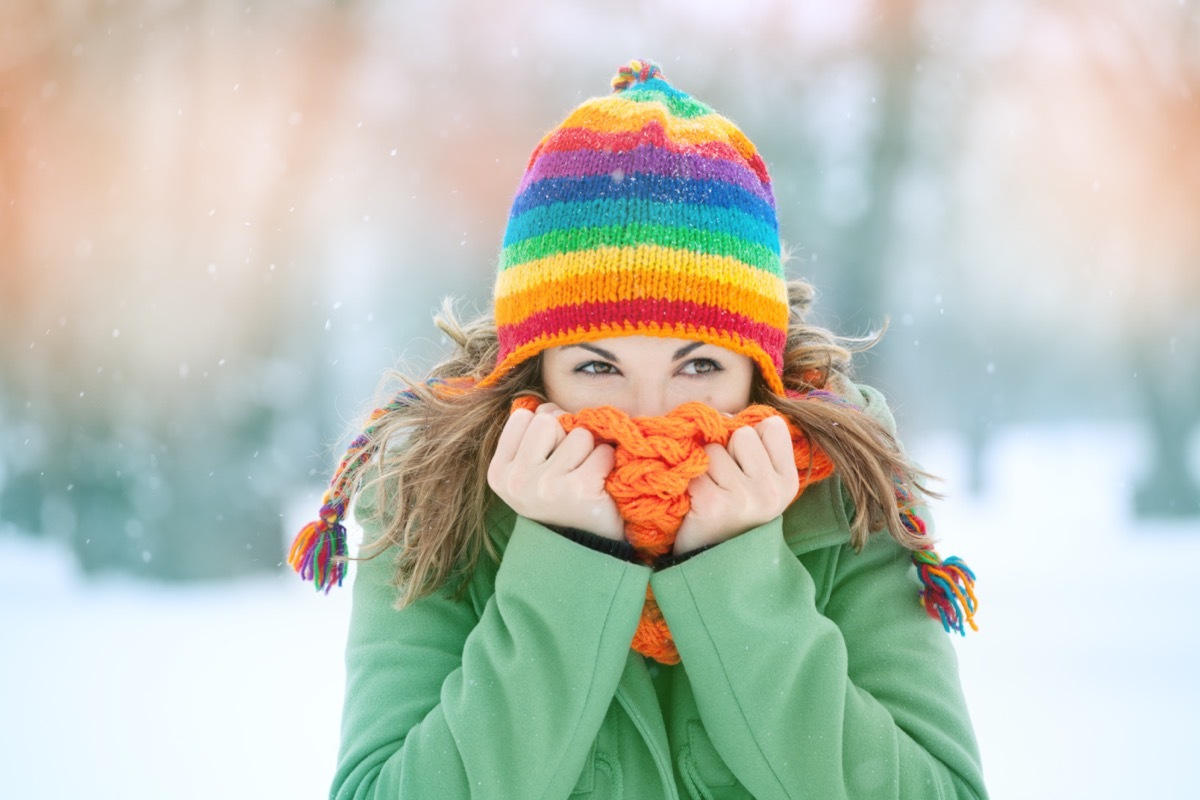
646, 159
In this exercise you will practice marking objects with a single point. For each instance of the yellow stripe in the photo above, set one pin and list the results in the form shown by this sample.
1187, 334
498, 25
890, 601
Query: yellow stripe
654, 265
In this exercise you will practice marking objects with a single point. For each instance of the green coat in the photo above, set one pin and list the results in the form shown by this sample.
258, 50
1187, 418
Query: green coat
808, 671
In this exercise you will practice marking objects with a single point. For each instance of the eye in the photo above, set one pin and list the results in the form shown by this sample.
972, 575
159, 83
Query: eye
597, 368
700, 366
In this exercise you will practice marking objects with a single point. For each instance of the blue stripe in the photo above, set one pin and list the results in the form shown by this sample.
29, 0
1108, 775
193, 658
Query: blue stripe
679, 103
544, 219
642, 186
656, 84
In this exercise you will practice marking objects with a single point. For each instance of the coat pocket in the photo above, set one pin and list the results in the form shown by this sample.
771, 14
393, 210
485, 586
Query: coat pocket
601, 775
587, 778
705, 772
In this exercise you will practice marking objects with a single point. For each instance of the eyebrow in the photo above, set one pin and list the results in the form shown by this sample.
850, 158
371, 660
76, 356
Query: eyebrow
680, 353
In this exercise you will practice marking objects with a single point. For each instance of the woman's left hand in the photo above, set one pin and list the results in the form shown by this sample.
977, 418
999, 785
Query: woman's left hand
748, 483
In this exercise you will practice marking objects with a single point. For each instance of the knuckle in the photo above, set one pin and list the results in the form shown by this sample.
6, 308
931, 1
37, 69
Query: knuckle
519, 417
516, 483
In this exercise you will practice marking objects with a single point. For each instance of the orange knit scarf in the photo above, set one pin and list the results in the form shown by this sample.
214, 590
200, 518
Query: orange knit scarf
656, 459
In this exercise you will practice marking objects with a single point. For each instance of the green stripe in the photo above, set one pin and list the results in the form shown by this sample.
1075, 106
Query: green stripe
679, 104
570, 240
601, 213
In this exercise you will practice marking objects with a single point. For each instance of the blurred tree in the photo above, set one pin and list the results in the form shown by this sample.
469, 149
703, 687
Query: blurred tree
165, 258
24, 56
1070, 140
218, 223
1147, 66
865, 291
1127, 177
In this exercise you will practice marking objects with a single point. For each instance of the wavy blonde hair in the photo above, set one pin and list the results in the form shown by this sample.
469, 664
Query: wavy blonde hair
429, 483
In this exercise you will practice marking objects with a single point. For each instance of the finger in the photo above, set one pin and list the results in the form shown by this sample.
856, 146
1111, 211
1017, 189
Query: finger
572, 451
701, 492
723, 471
541, 437
749, 453
777, 440
550, 408
511, 435
701, 485
600, 461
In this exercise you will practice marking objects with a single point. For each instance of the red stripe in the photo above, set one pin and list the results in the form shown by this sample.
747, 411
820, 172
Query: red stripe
562, 319
652, 133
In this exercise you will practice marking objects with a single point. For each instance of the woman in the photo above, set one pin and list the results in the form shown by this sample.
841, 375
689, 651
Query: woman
523, 625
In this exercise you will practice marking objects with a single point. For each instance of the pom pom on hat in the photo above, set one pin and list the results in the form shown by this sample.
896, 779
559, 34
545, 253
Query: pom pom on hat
635, 71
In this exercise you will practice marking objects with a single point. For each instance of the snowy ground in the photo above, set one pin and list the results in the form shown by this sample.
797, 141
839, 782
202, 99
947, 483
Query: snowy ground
1083, 682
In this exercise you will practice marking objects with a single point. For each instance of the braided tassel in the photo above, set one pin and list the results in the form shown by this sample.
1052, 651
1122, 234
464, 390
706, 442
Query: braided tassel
949, 586
949, 593
319, 552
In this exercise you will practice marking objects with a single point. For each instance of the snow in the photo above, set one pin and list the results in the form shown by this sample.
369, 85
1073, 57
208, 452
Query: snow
1082, 681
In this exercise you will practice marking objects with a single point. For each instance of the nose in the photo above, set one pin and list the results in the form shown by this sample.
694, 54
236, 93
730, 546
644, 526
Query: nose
648, 400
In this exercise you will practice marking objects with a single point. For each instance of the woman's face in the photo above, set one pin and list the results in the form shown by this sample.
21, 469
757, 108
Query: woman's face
646, 376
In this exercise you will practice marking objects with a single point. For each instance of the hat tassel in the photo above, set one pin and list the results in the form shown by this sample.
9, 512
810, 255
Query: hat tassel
949, 590
318, 553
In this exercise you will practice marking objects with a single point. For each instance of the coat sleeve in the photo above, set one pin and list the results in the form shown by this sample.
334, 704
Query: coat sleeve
446, 701
822, 678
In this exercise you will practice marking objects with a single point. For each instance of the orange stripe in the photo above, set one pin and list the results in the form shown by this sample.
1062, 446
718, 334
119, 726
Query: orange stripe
600, 286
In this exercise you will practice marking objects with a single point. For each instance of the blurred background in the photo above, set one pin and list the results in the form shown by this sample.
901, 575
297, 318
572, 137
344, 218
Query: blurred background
221, 223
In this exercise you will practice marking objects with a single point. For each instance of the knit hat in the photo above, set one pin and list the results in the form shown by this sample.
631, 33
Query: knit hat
645, 212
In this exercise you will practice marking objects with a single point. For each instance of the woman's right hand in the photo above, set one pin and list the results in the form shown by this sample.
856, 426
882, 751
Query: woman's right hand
552, 477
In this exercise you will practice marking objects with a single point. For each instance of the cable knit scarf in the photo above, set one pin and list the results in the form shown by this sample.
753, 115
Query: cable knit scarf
656, 458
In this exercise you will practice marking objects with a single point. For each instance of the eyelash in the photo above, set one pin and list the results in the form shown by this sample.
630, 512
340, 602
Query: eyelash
611, 369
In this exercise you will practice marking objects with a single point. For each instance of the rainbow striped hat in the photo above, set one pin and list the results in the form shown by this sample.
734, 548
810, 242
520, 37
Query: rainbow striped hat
644, 212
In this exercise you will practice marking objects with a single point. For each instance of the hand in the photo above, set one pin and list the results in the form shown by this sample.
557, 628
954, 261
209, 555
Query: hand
552, 477
747, 484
